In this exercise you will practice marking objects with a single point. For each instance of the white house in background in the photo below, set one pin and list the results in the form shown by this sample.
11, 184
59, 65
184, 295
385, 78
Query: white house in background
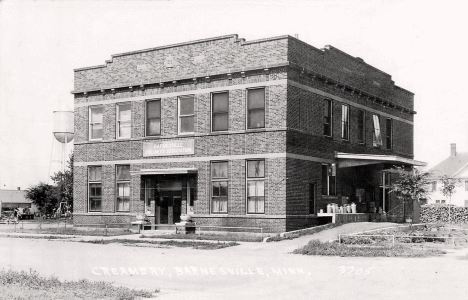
455, 166
11, 199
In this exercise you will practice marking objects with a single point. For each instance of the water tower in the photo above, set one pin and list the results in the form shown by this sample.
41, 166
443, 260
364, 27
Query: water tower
63, 131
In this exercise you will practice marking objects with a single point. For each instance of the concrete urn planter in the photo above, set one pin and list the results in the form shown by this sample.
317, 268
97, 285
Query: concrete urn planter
185, 218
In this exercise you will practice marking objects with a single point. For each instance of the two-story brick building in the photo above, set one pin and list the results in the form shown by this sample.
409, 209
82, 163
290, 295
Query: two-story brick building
260, 133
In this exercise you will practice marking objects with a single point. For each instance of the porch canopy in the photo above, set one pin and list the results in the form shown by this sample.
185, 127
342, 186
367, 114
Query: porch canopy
165, 171
346, 160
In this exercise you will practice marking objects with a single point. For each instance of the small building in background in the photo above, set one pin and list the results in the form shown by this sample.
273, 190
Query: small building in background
11, 199
455, 166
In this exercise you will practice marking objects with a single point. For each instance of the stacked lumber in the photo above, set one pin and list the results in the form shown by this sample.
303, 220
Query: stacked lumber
440, 213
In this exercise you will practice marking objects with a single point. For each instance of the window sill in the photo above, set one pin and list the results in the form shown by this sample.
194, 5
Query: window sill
187, 134
256, 129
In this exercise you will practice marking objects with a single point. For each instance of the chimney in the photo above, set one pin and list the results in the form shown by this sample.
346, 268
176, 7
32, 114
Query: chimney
18, 188
453, 150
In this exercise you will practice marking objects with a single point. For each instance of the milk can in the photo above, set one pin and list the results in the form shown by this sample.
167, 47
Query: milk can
329, 208
353, 208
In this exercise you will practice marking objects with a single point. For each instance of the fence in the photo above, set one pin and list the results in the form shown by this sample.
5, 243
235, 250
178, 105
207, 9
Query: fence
200, 228
27, 224
393, 238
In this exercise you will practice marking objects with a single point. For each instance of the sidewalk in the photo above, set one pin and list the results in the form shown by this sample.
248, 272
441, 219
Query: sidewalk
282, 246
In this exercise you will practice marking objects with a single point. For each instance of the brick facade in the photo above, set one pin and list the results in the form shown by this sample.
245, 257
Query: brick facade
296, 78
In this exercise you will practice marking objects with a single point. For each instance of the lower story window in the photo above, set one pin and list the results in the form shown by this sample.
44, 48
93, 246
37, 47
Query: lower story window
123, 197
256, 186
219, 196
219, 187
95, 188
328, 180
256, 196
123, 187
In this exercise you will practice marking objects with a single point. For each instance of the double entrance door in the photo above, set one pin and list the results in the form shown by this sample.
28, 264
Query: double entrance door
163, 198
168, 207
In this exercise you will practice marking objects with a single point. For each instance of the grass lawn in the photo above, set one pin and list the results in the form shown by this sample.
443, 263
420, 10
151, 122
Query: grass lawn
170, 243
24, 285
315, 247
210, 237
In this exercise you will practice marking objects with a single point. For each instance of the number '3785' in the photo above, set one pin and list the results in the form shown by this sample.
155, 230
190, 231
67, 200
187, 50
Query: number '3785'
350, 270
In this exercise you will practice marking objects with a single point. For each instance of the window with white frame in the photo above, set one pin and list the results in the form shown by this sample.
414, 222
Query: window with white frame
345, 122
361, 119
256, 186
328, 180
95, 122
219, 184
219, 111
124, 120
377, 137
389, 134
95, 188
256, 108
123, 187
327, 117
153, 117
186, 114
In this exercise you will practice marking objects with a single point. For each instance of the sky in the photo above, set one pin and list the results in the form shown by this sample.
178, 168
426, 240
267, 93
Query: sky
421, 44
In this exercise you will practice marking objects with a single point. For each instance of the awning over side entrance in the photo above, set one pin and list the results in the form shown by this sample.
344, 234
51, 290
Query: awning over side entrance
165, 171
346, 160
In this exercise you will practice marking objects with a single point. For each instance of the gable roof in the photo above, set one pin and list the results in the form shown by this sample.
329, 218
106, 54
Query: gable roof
13, 196
451, 166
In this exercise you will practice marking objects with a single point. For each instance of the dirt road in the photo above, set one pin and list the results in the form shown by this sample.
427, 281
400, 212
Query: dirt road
248, 271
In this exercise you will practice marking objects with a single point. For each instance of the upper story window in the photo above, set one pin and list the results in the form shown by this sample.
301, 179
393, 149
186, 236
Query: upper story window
434, 186
124, 120
327, 117
153, 117
466, 185
345, 122
95, 188
377, 137
186, 114
220, 111
388, 134
256, 108
361, 120
95, 122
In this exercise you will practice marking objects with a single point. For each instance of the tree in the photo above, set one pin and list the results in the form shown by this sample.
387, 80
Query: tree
43, 195
411, 185
449, 185
64, 183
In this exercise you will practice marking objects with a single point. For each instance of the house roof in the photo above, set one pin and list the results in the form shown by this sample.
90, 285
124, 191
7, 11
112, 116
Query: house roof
451, 166
13, 196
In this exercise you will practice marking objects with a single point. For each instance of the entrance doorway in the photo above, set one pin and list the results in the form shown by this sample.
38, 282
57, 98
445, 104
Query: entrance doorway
168, 208
166, 197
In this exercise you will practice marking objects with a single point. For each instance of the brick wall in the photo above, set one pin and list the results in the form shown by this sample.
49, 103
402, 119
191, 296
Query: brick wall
293, 123
205, 57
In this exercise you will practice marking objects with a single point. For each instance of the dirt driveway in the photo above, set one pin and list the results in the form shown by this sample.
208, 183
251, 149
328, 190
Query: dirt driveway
248, 271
